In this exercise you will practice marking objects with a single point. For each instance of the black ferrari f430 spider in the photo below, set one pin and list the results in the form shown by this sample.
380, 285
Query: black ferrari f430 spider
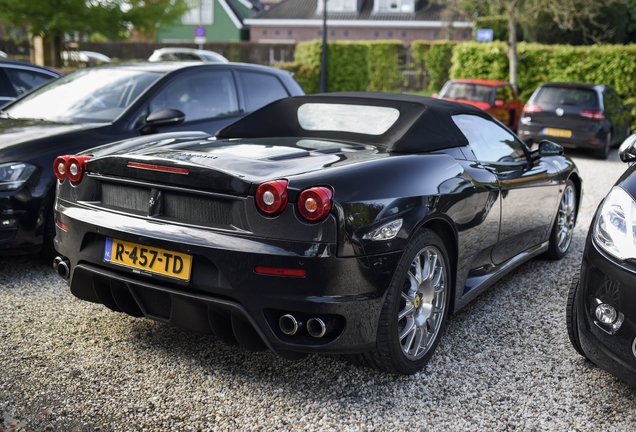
336, 223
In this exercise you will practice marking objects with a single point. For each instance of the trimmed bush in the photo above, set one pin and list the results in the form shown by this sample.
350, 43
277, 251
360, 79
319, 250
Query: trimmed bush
307, 76
435, 58
385, 61
347, 65
613, 65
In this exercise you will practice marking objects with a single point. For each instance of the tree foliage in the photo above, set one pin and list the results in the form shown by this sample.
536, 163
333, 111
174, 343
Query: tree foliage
111, 18
588, 17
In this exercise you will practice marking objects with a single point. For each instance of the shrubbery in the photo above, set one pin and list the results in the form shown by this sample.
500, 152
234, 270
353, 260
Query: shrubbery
435, 58
377, 65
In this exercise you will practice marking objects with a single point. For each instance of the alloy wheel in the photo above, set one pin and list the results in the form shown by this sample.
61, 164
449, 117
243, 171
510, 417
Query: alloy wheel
422, 304
566, 218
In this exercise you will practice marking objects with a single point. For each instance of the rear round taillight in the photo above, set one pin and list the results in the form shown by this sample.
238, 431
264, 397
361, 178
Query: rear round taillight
60, 167
76, 167
271, 197
314, 204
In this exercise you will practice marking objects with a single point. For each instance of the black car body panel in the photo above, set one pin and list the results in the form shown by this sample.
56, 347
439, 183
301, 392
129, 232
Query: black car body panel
37, 142
583, 116
493, 217
605, 279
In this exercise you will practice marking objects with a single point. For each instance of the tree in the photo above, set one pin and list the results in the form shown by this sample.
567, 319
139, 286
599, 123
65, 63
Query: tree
581, 15
53, 19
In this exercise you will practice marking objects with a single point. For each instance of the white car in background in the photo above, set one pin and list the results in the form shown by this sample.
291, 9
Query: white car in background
181, 54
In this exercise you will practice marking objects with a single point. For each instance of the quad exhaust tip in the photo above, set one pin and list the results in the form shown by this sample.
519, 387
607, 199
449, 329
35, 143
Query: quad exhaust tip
62, 266
289, 324
316, 327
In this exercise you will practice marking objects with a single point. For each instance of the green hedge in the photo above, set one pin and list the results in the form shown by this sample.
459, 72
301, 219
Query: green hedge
307, 76
385, 60
352, 65
613, 65
435, 58
347, 66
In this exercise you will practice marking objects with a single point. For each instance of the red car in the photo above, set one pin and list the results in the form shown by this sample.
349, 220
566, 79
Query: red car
497, 98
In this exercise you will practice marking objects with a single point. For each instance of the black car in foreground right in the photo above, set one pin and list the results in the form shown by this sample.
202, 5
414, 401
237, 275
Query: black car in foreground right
601, 307
336, 224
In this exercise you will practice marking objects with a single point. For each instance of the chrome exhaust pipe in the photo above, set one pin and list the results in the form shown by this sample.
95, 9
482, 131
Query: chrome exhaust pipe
317, 328
289, 325
62, 266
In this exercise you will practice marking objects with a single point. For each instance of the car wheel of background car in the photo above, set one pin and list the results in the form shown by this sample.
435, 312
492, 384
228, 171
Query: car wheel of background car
415, 308
604, 151
571, 318
563, 227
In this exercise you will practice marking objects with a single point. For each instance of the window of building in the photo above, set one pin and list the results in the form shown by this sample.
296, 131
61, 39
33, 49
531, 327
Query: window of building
346, 33
265, 31
276, 32
435, 34
465, 35
201, 12
337, 6
376, 34
404, 6
390, 34
403, 34
290, 32
333, 33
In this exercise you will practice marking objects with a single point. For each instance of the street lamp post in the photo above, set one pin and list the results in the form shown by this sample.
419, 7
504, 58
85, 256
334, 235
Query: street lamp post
323, 57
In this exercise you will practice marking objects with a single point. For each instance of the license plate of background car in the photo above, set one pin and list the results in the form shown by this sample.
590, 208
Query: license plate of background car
563, 133
148, 259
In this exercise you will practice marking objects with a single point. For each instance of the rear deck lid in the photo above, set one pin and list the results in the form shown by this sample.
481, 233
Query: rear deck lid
228, 166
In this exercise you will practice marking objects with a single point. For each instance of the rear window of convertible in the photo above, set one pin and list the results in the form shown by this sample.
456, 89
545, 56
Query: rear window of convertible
362, 119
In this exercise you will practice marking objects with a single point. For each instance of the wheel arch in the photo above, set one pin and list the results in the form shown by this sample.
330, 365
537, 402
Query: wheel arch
578, 184
444, 228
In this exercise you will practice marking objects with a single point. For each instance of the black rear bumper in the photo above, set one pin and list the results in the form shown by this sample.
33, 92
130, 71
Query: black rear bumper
225, 296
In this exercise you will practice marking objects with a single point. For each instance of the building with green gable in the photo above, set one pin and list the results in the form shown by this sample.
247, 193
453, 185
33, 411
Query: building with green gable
222, 20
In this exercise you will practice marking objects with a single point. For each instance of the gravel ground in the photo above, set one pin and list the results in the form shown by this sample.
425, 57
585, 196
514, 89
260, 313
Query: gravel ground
504, 363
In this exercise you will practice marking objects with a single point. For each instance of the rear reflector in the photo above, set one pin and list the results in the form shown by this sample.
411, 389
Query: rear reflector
61, 225
277, 271
158, 168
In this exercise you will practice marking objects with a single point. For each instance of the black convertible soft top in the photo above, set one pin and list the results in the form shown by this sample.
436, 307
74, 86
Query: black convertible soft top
424, 123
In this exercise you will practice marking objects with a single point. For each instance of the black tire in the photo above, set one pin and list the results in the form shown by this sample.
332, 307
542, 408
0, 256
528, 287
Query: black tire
571, 317
424, 306
604, 151
564, 223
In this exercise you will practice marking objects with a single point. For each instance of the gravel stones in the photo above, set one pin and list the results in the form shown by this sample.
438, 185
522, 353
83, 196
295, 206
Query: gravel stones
504, 363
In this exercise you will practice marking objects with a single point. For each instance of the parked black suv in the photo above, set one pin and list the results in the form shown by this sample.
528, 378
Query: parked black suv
576, 115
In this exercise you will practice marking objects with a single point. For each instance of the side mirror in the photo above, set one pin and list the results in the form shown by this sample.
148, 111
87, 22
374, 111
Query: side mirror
162, 117
434, 95
547, 149
499, 103
627, 150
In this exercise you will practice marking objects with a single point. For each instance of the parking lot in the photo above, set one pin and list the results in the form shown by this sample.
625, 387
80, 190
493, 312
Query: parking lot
504, 363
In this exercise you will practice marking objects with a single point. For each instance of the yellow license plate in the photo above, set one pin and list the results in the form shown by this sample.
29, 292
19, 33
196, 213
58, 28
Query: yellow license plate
148, 258
563, 133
